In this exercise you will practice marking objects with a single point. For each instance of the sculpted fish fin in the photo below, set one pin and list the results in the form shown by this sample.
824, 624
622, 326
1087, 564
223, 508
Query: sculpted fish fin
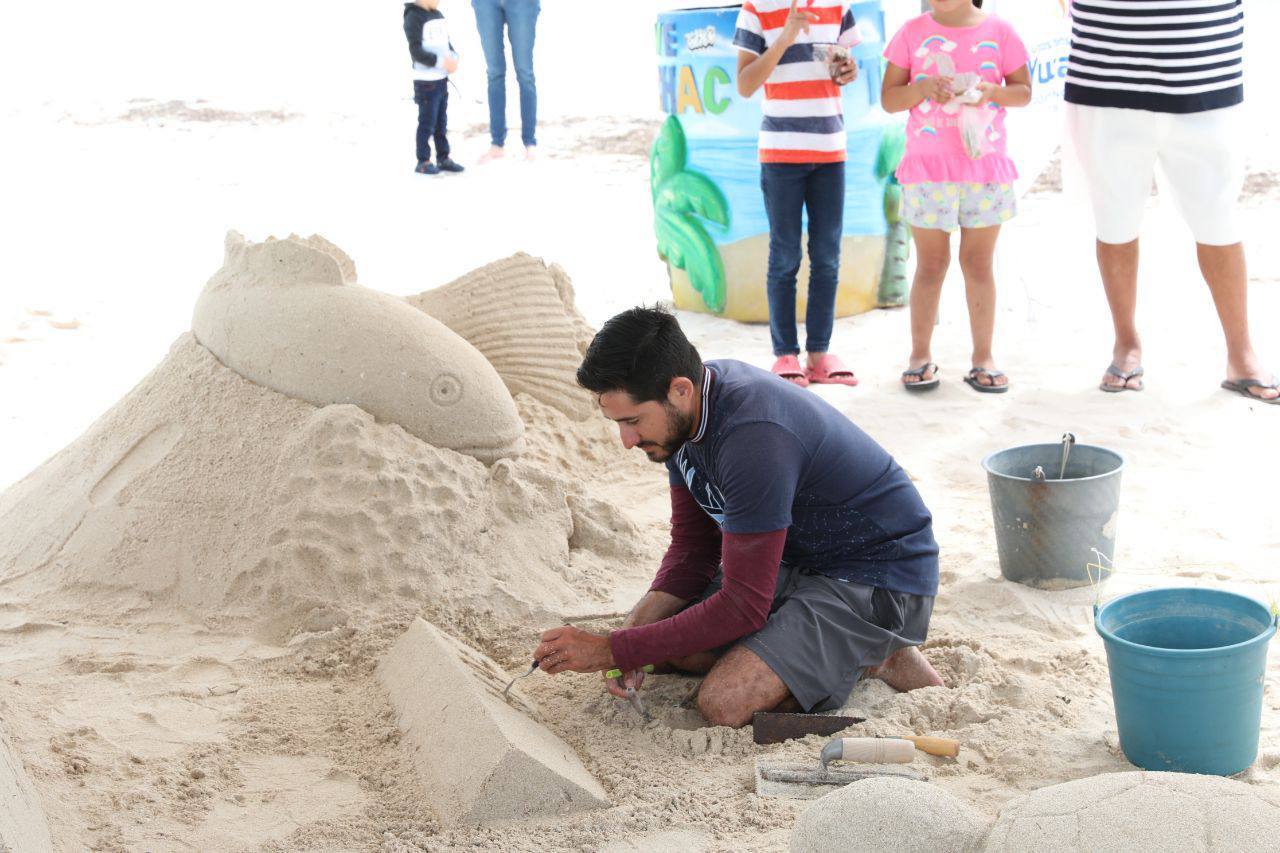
281, 263
520, 315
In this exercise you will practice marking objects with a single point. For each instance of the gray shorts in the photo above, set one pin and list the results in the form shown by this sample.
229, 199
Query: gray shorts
822, 633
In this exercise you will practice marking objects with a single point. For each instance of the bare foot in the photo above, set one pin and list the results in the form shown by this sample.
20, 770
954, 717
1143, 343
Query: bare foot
530, 153
1125, 360
495, 152
906, 669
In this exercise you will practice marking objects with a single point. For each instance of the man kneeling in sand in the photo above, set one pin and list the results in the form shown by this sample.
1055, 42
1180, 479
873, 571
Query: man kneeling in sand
801, 558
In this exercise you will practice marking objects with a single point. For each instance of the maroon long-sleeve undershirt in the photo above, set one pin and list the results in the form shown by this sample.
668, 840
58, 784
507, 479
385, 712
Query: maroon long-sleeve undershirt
741, 605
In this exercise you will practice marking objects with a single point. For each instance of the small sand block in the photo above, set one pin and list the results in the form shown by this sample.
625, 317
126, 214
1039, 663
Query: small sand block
889, 814
481, 759
1141, 811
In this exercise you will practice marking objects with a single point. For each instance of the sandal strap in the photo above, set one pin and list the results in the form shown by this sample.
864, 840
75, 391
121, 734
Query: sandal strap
994, 374
1257, 383
1112, 370
921, 370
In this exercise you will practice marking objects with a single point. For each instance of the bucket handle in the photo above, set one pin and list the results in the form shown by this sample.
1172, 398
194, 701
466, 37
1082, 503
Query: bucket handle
1104, 566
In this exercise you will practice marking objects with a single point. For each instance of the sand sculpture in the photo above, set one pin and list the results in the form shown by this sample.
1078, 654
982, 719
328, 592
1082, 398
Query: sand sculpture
889, 814
289, 315
482, 758
23, 826
519, 313
1141, 811
209, 494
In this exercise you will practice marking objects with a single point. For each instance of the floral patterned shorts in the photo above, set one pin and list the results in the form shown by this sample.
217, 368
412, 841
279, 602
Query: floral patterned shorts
949, 205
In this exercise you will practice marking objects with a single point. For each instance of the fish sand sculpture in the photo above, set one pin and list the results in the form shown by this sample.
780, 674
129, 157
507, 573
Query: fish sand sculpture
289, 315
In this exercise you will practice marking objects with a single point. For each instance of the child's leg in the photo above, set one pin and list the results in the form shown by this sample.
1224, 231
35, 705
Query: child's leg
977, 255
824, 199
423, 138
783, 185
442, 124
933, 256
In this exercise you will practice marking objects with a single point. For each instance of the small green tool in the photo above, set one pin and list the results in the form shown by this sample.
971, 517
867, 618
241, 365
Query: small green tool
632, 697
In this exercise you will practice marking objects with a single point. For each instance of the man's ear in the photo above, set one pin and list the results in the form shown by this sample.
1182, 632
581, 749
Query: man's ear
680, 391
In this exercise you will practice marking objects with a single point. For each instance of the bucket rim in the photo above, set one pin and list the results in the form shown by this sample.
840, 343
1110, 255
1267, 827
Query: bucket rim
1261, 638
986, 460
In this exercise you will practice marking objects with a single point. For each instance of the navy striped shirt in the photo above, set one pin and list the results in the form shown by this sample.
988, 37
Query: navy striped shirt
1169, 56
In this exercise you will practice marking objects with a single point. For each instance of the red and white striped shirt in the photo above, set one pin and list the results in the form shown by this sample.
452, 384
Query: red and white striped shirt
803, 122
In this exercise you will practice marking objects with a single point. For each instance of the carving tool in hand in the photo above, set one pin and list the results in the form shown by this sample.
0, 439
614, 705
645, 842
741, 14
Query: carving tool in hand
507, 689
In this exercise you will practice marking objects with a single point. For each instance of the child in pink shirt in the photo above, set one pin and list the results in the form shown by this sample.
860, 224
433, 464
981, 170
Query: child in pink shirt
956, 69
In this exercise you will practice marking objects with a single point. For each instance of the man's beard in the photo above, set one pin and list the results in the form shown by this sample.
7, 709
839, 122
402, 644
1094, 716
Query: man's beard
678, 428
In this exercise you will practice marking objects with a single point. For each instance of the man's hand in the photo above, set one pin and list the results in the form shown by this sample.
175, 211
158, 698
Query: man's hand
798, 21
449, 64
629, 679
846, 72
572, 649
936, 89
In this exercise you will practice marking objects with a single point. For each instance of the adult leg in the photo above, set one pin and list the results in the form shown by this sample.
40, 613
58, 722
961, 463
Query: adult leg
977, 257
933, 256
824, 201
1117, 152
783, 185
906, 669
1118, 266
1205, 170
737, 686
1223, 268
522, 23
490, 19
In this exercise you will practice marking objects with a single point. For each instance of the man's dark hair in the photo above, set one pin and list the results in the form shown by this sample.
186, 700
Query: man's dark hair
639, 351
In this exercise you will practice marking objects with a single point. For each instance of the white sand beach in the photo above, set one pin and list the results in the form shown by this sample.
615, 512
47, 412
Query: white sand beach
199, 574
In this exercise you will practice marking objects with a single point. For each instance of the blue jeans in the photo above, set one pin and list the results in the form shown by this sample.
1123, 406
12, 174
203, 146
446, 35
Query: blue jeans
790, 189
521, 20
432, 98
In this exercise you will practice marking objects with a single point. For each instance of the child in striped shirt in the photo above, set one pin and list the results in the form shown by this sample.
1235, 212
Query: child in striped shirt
786, 49
955, 69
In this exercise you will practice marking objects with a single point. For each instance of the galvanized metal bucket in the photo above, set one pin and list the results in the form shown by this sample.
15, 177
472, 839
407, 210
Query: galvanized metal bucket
1053, 504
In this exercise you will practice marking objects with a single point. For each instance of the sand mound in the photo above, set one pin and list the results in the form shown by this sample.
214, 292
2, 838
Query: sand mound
480, 755
520, 314
206, 496
23, 826
889, 814
289, 315
1141, 811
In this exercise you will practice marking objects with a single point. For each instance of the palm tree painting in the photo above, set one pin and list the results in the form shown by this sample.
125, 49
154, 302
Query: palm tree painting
897, 238
682, 200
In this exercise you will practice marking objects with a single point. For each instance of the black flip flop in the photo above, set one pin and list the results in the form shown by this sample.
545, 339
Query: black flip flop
972, 381
1124, 378
1242, 386
923, 384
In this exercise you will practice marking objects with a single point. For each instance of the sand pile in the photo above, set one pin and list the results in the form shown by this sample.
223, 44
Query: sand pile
205, 495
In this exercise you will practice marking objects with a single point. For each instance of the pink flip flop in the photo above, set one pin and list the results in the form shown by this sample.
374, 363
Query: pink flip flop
788, 367
830, 370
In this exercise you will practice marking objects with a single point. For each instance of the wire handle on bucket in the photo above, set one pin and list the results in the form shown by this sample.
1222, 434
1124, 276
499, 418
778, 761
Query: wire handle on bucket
1098, 563
1068, 439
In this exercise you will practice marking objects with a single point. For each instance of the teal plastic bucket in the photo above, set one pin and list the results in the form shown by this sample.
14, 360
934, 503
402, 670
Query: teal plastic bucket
1187, 667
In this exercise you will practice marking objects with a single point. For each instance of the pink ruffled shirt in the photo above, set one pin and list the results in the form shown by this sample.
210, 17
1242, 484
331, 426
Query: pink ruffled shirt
935, 150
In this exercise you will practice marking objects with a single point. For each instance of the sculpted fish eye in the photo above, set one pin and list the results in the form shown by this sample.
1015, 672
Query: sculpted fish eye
446, 389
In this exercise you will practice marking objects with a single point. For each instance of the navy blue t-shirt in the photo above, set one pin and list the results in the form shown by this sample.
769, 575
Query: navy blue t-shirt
769, 455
